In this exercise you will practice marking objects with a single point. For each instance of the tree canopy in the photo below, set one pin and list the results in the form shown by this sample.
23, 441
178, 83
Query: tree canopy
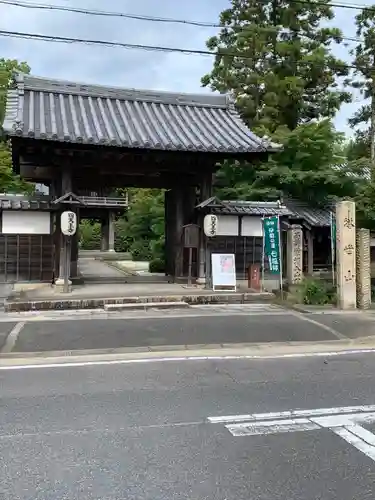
7, 68
275, 58
310, 166
9, 182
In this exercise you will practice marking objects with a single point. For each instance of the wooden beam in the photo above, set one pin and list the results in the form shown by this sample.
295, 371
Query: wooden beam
92, 183
55, 163
208, 159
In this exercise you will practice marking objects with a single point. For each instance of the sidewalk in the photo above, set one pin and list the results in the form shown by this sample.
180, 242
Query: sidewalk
121, 289
94, 296
197, 327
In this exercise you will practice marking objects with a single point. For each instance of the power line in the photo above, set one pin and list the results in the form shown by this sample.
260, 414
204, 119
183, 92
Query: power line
107, 43
139, 17
351, 6
93, 12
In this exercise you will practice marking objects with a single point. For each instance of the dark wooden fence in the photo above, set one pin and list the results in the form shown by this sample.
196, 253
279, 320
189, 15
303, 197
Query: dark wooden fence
26, 258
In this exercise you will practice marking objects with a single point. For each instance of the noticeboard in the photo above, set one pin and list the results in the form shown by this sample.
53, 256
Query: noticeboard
191, 236
223, 271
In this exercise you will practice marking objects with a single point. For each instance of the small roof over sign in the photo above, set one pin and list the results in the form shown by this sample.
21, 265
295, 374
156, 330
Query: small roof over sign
291, 209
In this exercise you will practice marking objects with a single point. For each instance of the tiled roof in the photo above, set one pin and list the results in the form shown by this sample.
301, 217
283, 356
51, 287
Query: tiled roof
292, 209
314, 216
45, 109
239, 207
264, 208
45, 202
23, 202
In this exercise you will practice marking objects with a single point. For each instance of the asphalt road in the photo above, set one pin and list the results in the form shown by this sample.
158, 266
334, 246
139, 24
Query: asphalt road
142, 431
196, 326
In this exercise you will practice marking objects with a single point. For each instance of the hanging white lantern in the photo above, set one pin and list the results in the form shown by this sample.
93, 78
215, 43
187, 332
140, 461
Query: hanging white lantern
210, 225
68, 223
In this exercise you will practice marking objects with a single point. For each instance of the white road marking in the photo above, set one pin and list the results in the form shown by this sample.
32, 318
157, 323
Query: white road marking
327, 328
343, 421
11, 340
358, 437
78, 364
292, 413
272, 427
97, 430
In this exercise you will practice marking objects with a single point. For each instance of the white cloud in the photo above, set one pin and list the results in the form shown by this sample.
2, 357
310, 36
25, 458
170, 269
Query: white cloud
129, 68
116, 66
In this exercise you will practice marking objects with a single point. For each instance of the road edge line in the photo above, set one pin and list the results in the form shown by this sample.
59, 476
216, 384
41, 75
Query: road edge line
327, 328
61, 363
11, 339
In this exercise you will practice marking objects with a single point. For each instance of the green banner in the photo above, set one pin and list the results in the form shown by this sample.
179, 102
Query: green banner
271, 233
333, 230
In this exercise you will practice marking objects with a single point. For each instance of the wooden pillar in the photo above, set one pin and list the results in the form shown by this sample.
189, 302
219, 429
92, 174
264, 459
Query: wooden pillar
310, 252
179, 203
57, 244
75, 251
111, 231
190, 201
168, 232
178, 249
203, 254
66, 187
104, 242
55, 192
66, 180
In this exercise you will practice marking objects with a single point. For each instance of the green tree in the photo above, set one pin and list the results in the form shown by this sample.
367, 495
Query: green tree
364, 62
89, 235
311, 166
359, 146
7, 68
8, 181
275, 58
144, 228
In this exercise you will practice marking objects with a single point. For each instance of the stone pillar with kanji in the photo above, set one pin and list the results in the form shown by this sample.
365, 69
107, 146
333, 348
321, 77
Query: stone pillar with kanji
346, 255
294, 255
363, 273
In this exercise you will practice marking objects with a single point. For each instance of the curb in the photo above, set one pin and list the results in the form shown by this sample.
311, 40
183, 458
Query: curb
101, 303
301, 346
281, 350
145, 306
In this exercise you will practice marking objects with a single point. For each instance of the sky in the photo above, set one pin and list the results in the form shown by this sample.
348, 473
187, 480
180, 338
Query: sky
127, 67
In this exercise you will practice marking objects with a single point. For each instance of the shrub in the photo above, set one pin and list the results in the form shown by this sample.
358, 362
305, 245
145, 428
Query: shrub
317, 292
140, 250
90, 235
157, 266
122, 238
